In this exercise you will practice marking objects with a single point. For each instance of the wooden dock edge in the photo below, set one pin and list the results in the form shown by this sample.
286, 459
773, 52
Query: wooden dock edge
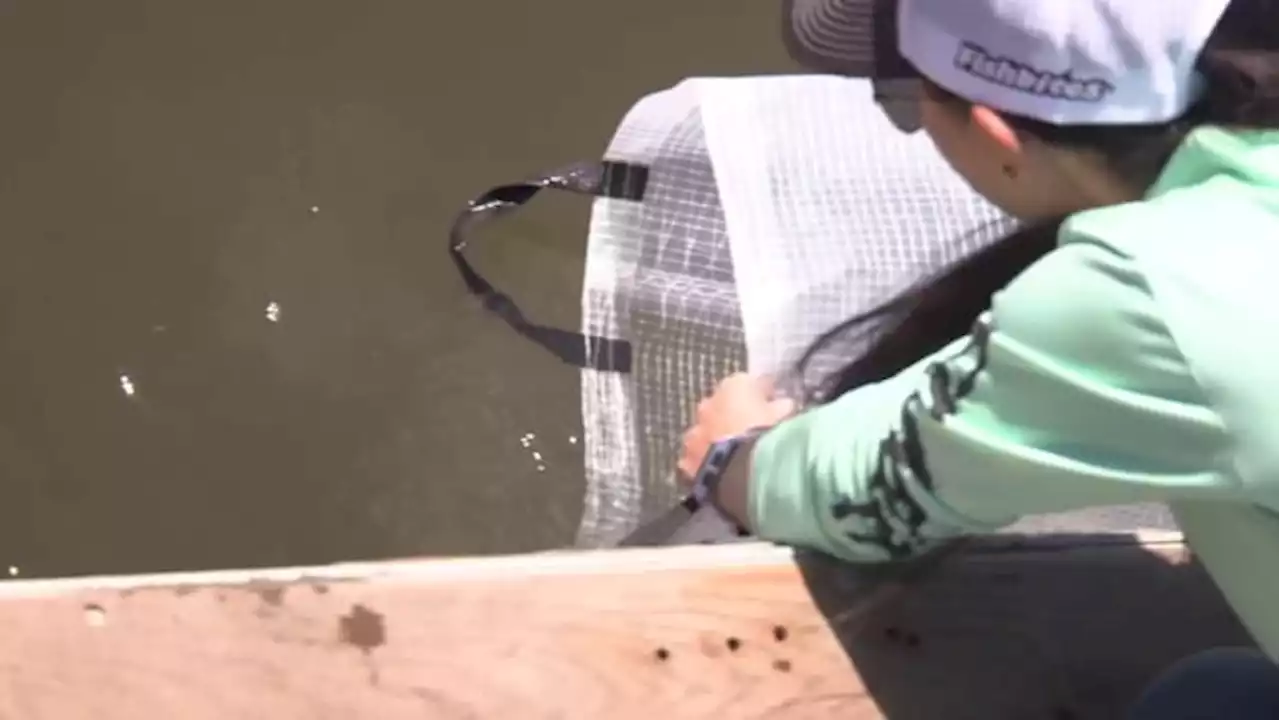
1018, 628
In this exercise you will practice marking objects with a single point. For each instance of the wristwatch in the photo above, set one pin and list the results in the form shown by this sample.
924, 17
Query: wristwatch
706, 482
681, 520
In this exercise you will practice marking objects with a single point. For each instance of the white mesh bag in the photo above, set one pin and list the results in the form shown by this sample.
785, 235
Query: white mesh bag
734, 221
774, 208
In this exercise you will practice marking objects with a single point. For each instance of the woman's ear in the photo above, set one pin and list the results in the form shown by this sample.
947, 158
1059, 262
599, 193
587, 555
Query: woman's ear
996, 128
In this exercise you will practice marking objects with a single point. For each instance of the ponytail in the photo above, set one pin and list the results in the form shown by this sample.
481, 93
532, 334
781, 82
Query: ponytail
925, 319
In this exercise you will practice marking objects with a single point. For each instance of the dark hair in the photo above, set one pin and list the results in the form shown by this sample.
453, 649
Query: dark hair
1239, 64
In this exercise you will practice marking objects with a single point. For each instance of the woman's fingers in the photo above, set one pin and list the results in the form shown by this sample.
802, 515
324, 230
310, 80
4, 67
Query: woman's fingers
761, 384
692, 451
703, 409
741, 402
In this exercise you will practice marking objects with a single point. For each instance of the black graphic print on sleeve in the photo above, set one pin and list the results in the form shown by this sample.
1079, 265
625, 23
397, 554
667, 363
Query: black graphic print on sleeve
891, 516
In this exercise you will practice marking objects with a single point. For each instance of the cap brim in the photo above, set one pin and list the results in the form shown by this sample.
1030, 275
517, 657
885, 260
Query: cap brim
854, 38
859, 39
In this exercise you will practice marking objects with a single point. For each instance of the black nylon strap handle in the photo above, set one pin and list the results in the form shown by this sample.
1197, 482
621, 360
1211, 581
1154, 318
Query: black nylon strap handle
615, 180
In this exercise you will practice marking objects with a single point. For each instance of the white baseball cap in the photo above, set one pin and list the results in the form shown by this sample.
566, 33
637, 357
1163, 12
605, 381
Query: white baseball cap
1066, 62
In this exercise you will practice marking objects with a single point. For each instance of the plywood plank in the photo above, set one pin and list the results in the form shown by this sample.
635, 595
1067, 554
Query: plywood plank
1061, 628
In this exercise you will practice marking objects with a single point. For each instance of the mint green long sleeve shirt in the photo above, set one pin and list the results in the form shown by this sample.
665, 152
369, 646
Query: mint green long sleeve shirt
1139, 361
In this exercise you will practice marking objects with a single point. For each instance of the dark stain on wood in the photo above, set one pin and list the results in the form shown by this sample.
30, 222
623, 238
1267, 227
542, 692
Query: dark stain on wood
362, 628
264, 587
272, 595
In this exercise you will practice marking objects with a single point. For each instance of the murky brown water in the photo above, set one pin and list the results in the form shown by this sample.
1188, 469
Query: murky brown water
230, 332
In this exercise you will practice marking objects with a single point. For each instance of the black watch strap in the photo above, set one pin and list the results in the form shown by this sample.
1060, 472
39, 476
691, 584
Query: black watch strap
697, 518
721, 453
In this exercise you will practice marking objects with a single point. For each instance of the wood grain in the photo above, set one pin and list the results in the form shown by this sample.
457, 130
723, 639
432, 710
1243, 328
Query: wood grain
1065, 628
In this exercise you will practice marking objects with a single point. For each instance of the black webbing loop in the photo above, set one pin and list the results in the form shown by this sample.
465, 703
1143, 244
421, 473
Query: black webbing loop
615, 180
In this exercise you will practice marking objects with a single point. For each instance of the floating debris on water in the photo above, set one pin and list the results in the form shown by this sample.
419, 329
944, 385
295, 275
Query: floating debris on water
273, 311
126, 385
315, 209
13, 571
526, 442
573, 439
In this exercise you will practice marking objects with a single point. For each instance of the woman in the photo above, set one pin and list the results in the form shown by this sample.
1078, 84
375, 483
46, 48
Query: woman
1121, 348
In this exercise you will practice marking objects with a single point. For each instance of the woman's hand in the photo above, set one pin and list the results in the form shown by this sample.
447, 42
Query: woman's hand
739, 403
